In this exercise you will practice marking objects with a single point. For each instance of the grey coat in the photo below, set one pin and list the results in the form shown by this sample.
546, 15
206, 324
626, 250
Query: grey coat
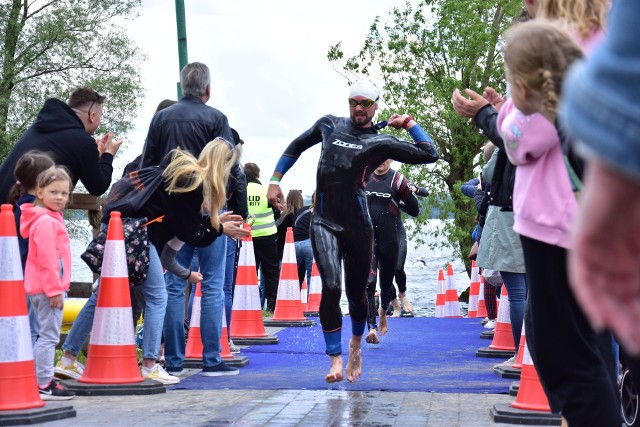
500, 247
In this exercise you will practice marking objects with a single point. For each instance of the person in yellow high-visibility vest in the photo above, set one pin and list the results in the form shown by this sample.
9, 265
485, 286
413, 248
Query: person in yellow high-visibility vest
263, 233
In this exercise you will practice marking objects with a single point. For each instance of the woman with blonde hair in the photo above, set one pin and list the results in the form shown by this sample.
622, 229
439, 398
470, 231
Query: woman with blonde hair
191, 193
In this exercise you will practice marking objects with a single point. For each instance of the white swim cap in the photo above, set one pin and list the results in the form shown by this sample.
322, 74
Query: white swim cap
366, 88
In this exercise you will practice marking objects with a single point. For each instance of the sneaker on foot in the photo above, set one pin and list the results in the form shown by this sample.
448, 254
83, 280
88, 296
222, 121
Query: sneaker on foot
490, 324
507, 363
55, 391
406, 304
221, 369
157, 373
176, 372
65, 369
233, 348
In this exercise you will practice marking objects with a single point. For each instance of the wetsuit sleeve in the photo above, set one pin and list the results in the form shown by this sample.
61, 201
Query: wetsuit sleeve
308, 139
411, 205
420, 152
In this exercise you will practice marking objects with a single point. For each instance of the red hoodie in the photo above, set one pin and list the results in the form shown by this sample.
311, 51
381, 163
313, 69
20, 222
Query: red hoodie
48, 268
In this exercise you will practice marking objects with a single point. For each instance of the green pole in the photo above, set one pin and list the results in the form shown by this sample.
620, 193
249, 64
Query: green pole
182, 40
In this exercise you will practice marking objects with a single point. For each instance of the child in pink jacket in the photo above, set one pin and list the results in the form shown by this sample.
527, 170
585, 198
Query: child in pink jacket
570, 358
47, 274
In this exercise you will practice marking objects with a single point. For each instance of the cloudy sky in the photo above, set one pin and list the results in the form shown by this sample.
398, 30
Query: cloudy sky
268, 60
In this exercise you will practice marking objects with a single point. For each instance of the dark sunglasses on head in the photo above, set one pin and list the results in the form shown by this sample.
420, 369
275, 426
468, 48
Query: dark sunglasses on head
367, 103
93, 102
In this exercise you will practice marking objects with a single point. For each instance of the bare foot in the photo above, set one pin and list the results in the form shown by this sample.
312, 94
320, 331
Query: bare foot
382, 324
372, 337
397, 310
354, 365
406, 304
335, 373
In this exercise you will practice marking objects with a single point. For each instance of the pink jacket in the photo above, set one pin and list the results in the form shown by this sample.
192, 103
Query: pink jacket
48, 268
544, 205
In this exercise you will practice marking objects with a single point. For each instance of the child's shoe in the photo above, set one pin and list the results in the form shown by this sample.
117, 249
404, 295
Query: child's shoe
55, 391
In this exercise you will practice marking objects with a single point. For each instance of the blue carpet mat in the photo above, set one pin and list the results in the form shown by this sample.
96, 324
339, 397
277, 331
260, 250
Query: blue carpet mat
418, 354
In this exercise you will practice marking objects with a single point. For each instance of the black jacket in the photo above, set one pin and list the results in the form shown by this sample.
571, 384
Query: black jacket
191, 124
59, 132
504, 174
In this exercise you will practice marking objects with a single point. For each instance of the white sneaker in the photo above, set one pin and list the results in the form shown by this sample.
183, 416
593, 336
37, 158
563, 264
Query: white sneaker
66, 369
507, 363
490, 324
157, 373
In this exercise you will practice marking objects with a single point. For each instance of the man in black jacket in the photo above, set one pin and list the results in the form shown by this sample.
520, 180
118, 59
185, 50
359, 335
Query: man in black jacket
189, 125
64, 131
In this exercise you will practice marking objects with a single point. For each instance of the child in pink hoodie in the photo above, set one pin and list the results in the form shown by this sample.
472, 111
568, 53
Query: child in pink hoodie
569, 357
47, 274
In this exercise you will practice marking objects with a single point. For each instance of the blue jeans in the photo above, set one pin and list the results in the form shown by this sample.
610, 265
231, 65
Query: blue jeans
155, 295
304, 256
229, 272
516, 284
212, 264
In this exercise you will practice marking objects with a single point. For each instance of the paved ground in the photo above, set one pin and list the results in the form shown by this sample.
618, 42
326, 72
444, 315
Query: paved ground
286, 408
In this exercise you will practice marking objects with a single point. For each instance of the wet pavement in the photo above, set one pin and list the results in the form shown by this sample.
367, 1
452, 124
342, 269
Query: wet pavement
286, 408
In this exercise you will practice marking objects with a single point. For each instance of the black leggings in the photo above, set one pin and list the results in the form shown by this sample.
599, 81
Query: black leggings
332, 244
568, 355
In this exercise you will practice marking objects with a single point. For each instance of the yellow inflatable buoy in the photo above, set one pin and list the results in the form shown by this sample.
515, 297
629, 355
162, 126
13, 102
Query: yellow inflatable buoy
72, 307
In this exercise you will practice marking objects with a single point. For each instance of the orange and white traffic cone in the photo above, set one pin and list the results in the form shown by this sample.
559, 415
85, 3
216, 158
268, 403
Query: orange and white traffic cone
194, 348
18, 385
288, 310
482, 304
531, 405
440, 294
315, 292
451, 303
304, 293
474, 291
502, 345
513, 371
112, 355
247, 325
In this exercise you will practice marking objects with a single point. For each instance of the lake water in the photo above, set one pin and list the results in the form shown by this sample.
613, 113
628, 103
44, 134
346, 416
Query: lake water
422, 278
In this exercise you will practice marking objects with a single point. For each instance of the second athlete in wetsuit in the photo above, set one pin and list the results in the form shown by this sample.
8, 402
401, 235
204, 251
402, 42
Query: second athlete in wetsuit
386, 191
341, 230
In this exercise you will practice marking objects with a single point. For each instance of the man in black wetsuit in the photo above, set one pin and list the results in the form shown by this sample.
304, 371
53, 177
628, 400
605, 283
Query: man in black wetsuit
341, 228
387, 190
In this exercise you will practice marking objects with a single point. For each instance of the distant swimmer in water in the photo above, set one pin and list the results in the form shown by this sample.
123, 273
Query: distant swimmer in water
341, 230
423, 261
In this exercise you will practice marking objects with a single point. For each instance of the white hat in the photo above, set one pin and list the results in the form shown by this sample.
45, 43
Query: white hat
366, 88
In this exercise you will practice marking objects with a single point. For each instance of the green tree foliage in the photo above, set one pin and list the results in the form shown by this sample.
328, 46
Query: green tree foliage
50, 47
425, 51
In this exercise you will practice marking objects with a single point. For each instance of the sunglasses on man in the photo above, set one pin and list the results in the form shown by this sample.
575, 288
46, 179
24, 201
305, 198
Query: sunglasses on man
366, 103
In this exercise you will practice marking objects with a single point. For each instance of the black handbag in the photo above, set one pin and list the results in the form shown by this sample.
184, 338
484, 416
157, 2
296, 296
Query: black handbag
136, 242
